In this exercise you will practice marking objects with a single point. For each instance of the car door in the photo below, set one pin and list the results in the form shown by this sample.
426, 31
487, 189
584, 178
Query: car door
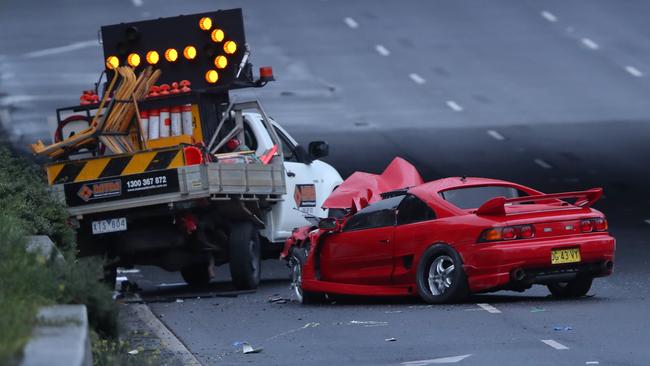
362, 253
416, 226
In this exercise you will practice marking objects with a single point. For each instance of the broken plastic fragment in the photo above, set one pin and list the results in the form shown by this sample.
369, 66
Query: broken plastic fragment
247, 348
391, 339
563, 328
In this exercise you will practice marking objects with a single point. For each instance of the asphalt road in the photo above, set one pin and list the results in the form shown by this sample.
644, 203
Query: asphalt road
551, 94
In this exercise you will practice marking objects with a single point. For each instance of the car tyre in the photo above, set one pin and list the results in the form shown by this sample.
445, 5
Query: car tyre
197, 274
298, 257
245, 256
575, 288
440, 275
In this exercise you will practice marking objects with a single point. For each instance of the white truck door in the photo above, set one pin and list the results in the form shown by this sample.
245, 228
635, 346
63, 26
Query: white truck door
302, 191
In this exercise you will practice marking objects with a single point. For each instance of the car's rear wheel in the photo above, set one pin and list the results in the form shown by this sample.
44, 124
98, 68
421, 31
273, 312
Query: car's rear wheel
440, 275
574, 288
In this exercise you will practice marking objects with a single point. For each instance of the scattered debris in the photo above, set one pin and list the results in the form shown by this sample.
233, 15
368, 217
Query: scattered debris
311, 325
180, 300
247, 348
537, 309
391, 339
133, 352
367, 323
392, 311
562, 328
277, 299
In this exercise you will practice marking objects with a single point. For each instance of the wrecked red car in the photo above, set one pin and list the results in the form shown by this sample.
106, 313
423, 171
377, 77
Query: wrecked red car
445, 239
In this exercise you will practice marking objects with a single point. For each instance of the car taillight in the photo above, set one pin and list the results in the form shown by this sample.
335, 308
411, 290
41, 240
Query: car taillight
586, 226
600, 224
507, 233
526, 231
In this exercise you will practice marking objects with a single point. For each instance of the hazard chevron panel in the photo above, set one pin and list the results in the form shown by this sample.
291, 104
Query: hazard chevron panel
114, 166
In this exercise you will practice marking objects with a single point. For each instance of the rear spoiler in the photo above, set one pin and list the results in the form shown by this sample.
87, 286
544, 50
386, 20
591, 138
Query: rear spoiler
496, 206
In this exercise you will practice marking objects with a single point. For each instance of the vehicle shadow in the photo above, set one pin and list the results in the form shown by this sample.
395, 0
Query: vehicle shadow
173, 292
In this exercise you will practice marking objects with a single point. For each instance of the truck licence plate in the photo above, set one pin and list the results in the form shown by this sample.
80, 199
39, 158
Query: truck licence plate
560, 256
109, 226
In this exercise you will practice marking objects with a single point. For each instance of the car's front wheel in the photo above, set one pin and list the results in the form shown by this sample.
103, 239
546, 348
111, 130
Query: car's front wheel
304, 297
574, 288
440, 275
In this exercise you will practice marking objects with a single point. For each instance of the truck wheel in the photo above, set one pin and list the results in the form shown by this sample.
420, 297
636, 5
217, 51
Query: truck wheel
197, 274
110, 276
245, 256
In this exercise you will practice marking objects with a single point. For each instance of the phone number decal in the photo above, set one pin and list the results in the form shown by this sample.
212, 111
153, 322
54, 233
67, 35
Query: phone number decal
141, 184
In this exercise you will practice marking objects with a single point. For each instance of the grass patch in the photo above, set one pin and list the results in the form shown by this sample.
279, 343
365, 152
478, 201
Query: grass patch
30, 281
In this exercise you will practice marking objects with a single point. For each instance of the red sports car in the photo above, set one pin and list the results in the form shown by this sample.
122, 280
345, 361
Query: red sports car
445, 239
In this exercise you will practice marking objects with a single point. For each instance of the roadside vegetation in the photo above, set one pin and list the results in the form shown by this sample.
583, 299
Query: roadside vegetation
29, 281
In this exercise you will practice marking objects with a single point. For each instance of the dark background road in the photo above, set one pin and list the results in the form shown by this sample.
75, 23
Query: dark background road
551, 94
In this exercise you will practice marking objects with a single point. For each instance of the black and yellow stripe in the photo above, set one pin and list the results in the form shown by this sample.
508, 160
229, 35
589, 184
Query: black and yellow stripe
111, 166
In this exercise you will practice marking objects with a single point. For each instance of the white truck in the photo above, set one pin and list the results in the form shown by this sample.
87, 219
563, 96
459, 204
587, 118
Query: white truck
190, 207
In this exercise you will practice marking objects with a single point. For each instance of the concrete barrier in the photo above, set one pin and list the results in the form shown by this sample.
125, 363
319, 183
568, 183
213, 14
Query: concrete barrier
60, 338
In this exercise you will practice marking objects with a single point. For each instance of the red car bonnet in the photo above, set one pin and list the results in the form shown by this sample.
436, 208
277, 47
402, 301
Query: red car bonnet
361, 189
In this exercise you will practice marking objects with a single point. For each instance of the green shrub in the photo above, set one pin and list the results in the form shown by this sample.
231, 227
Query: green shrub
29, 281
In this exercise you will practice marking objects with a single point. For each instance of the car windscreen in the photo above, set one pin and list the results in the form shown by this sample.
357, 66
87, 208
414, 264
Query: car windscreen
474, 197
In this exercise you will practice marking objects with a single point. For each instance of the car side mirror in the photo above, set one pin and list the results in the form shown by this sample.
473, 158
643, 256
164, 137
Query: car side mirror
319, 149
329, 224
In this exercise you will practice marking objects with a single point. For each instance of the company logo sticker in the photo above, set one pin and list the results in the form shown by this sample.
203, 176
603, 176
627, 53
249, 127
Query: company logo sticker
92, 191
305, 195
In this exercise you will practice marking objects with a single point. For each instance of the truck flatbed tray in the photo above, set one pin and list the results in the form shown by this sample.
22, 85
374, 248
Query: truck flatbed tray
217, 181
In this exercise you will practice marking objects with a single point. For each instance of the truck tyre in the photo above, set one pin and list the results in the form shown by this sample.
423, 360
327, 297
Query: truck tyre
110, 276
245, 256
196, 274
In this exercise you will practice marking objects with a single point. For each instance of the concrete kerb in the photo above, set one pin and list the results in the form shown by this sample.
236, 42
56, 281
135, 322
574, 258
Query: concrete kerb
60, 338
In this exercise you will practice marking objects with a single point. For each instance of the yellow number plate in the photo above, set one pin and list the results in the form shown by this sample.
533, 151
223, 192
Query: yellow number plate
559, 256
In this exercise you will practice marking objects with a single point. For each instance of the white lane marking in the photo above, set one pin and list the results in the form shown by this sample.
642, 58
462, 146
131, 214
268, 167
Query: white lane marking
496, 135
56, 50
351, 23
592, 363
451, 359
549, 16
172, 284
137, 3
417, 78
543, 164
554, 344
489, 308
382, 50
590, 44
133, 270
633, 71
455, 106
